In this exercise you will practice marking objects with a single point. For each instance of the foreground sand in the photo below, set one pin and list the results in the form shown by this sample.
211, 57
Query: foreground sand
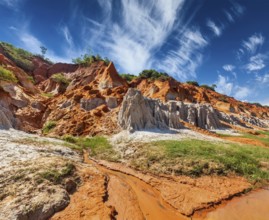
105, 190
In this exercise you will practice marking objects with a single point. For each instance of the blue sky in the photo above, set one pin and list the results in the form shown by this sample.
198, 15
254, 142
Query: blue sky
222, 42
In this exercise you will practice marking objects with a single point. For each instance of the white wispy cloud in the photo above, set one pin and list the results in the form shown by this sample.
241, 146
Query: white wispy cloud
31, 43
67, 35
263, 79
256, 62
235, 11
228, 67
231, 88
253, 43
241, 92
183, 61
12, 4
217, 30
142, 28
224, 85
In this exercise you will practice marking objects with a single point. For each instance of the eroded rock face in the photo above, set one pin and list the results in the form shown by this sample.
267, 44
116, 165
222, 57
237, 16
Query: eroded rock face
89, 104
138, 112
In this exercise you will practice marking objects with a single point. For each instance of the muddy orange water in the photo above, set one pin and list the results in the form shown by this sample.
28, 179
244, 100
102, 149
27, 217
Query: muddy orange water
253, 206
111, 194
150, 201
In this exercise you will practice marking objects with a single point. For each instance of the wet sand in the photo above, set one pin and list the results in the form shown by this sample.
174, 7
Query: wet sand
253, 206
149, 200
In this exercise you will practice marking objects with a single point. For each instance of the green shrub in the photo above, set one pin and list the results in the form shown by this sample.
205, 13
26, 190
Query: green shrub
48, 126
87, 59
153, 74
7, 75
60, 78
194, 83
128, 77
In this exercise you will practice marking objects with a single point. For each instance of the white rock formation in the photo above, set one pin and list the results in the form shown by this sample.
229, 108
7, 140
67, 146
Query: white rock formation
138, 113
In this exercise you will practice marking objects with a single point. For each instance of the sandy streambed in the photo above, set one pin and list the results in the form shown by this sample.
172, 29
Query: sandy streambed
108, 190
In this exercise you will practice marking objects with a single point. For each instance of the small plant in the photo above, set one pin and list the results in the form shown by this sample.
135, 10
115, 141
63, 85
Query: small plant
128, 77
48, 95
194, 83
30, 78
60, 78
48, 126
70, 139
43, 51
56, 176
7, 75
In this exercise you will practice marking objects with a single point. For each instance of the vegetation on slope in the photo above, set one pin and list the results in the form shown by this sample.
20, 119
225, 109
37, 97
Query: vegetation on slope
87, 59
99, 146
48, 127
128, 77
153, 74
21, 57
196, 158
60, 78
7, 75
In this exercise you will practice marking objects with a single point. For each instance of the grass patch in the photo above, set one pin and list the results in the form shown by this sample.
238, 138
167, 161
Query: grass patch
99, 146
48, 95
7, 75
48, 127
56, 176
60, 78
21, 57
196, 158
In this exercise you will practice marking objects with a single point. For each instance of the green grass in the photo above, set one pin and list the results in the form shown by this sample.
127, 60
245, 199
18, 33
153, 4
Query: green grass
48, 95
196, 158
99, 146
7, 75
19, 56
48, 127
56, 176
60, 78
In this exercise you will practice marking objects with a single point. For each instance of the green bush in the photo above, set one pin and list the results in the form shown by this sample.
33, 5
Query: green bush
153, 74
87, 59
60, 78
7, 75
48, 126
128, 77
194, 83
